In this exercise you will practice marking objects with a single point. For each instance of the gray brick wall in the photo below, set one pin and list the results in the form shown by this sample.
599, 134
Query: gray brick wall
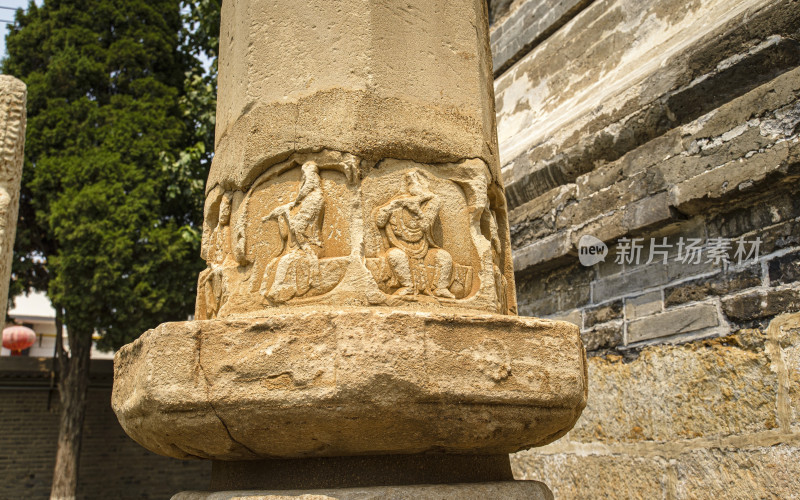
111, 464
724, 166
662, 122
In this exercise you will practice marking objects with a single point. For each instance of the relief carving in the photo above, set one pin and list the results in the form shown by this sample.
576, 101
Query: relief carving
413, 263
216, 250
489, 221
296, 270
275, 243
328, 228
13, 95
5, 207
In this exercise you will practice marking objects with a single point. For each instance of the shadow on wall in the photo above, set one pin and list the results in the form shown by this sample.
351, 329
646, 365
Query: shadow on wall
112, 465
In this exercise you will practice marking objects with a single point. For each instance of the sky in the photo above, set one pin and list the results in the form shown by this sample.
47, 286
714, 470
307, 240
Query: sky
8, 15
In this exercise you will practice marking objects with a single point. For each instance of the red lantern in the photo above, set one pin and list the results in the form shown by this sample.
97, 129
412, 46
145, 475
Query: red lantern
18, 338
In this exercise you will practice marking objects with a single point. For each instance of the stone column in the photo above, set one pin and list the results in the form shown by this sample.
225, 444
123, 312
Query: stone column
13, 94
359, 296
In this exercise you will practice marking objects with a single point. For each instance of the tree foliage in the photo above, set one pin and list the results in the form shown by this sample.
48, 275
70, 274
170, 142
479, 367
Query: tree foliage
118, 144
117, 151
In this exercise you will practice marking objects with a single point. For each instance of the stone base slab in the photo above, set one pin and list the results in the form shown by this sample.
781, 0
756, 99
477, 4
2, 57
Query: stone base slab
509, 490
360, 381
361, 471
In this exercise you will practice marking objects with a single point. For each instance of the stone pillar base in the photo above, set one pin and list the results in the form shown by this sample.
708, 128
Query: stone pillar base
359, 471
426, 476
510, 490
309, 383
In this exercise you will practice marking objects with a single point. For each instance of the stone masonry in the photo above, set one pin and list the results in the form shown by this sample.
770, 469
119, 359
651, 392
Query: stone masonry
111, 464
658, 123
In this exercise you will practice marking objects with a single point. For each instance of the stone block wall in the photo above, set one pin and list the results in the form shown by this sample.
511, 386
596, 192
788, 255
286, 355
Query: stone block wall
715, 418
111, 464
659, 124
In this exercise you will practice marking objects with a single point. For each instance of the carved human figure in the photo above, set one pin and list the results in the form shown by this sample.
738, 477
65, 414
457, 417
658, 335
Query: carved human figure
407, 222
218, 256
500, 281
296, 269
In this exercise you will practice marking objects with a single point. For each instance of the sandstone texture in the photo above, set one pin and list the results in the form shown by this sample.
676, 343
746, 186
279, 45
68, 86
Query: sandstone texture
13, 95
346, 382
522, 490
575, 476
706, 419
356, 161
323, 228
374, 79
732, 376
359, 294
760, 472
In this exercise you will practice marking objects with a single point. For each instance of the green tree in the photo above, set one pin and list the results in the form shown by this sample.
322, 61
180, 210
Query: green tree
116, 155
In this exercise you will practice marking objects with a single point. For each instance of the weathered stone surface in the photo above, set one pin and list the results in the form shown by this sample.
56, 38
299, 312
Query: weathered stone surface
351, 170
768, 472
545, 306
575, 317
513, 490
784, 331
709, 172
785, 269
603, 313
647, 212
359, 297
644, 305
571, 476
638, 278
779, 236
679, 120
719, 284
316, 229
761, 304
603, 336
13, 95
711, 389
536, 218
545, 250
715, 418
673, 322
609, 82
375, 80
694, 195
527, 25
351, 381
758, 472
770, 215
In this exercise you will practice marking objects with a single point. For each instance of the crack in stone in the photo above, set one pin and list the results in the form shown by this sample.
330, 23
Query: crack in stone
208, 396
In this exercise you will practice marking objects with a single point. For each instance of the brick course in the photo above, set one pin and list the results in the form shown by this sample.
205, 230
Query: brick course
655, 120
111, 464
